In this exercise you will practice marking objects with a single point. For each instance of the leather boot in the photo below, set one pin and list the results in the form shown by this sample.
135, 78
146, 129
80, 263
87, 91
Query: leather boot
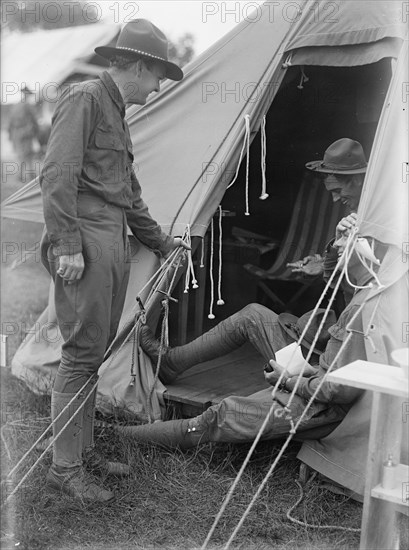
224, 338
151, 346
171, 433
67, 474
93, 460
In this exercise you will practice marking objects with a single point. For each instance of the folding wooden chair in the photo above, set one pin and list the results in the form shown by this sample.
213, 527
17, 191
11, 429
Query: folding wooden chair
312, 225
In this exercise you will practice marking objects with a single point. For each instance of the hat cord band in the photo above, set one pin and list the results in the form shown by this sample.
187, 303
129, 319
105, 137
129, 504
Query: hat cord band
294, 327
297, 330
343, 167
141, 52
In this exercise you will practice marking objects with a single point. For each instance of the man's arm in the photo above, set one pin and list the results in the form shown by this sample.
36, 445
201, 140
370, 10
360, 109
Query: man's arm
145, 228
315, 264
312, 265
355, 349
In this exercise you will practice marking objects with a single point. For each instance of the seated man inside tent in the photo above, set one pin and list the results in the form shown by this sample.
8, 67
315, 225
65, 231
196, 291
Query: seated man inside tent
238, 419
343, 171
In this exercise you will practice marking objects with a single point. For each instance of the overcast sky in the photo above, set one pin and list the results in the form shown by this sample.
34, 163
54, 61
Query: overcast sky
207, 21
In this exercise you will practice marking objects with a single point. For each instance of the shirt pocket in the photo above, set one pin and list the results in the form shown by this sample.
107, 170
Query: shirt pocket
108, 140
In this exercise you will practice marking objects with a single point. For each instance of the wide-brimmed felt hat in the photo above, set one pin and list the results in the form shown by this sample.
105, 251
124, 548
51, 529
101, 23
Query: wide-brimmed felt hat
294, 326
141, 38
344, 156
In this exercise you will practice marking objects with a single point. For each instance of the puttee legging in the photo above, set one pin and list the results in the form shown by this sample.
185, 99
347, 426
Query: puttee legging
89, 311
254, 323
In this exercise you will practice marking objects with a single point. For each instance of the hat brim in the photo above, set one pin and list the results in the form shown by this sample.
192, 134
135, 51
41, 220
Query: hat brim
287, 318
318, 166
172, 70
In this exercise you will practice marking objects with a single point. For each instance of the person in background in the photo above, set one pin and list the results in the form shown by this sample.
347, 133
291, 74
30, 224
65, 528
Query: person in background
90, 196
23, 131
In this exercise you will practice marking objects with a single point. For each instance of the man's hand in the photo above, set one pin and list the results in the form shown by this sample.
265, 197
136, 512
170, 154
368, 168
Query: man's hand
345, 225
274, 375
178, 241
310, 265
71, 267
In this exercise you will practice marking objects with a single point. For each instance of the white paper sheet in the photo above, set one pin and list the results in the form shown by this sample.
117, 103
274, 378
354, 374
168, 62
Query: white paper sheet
292, 357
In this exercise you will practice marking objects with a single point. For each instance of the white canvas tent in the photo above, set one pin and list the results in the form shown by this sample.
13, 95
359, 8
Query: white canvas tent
187, 142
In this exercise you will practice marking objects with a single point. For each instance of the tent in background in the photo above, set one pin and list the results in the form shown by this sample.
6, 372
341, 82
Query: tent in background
42, 62
35, 59
316, 79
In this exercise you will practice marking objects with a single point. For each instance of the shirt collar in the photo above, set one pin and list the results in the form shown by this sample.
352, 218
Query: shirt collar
113, 91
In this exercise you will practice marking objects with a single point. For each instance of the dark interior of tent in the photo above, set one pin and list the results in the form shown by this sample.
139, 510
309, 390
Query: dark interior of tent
303, 120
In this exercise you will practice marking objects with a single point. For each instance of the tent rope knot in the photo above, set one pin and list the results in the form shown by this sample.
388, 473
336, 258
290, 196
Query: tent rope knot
220, 301
190, 271
304, 78
287, 62
140, 318
370, 328
364, 252
164, 341
264, 195
142, 311
211, 314
246, 145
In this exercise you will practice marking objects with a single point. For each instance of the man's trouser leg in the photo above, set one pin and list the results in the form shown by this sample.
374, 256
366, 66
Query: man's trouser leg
89, 310
68, 451
66, 474
254, 323
238, 420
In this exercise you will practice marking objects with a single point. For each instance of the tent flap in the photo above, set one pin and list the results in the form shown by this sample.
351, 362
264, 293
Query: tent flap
341, 23
347, 56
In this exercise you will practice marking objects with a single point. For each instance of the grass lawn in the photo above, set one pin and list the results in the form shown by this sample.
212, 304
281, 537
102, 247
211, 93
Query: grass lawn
171, 498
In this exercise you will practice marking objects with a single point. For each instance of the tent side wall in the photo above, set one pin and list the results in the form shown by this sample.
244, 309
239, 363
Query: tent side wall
382, 215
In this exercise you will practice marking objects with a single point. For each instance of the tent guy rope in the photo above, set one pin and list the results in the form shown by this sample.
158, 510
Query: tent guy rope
343, 260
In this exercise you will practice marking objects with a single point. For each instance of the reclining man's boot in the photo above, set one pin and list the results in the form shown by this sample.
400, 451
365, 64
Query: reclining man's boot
168, 372
93, 460
170, 434
67, 475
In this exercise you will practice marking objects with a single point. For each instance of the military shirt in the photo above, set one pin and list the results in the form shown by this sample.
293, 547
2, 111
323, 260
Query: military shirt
90, 151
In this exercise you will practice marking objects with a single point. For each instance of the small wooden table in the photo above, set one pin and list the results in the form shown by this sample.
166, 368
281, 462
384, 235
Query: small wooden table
390, 415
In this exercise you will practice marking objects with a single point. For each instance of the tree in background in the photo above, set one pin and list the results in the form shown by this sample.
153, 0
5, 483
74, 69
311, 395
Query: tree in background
31, 15
43, 14
182, 51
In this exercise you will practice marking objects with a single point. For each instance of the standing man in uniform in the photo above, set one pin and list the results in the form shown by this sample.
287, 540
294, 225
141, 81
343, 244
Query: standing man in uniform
90, 195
